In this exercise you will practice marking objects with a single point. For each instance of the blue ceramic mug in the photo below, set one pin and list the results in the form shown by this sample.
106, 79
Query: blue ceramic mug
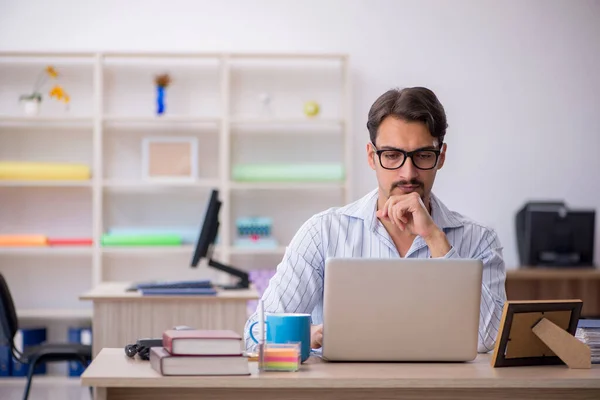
288, 328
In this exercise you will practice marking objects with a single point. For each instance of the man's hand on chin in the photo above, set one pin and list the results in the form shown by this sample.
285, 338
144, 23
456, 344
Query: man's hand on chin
316, 336
408, 213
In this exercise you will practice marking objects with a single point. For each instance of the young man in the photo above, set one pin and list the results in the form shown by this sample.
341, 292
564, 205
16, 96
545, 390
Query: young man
402, 218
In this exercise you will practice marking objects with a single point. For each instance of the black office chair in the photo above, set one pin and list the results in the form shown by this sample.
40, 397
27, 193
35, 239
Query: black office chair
47, 352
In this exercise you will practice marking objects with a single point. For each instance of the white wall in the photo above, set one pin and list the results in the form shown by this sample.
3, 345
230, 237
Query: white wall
520, 80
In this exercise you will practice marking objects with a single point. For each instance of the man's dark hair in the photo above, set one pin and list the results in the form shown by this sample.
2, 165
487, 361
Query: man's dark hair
409, 104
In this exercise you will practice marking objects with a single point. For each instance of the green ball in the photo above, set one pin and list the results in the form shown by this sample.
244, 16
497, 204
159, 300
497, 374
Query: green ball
311, 108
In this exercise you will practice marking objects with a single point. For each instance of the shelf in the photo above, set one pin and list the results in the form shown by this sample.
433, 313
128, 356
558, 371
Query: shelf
154, 55
41, 120
48, 183
47, 251
290, 56
54, 314
150, 251
287, 185
47, 54
165, 119
174, 54
139, 185
287, 121
42, 380
287, 127
278, 251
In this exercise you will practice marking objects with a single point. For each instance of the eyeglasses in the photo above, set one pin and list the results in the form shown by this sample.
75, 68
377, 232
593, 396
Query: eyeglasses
395, 158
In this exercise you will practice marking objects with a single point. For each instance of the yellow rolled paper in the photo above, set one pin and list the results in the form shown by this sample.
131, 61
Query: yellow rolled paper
39, 171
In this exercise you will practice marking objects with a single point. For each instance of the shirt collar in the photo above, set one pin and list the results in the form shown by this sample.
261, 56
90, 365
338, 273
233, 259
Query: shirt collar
366, 207
442, 216
363, 208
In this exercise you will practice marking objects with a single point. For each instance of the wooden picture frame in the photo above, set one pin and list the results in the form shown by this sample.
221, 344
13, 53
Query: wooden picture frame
170, 159
528, 330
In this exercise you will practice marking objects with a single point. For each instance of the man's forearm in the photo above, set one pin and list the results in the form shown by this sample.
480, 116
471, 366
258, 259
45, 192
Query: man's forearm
438, 244
491, 314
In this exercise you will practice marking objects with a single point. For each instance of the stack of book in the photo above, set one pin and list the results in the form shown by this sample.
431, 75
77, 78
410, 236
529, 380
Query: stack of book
199, 352
588, 331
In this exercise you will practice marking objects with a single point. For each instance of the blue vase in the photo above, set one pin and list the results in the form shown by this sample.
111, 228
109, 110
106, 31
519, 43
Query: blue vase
160, 100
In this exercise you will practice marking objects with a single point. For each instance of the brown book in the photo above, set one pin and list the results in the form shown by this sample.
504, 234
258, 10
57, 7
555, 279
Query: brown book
202, 342
167, 364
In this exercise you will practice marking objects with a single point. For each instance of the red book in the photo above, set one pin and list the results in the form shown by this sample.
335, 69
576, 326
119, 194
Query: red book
69, 242
202, 342
167, 364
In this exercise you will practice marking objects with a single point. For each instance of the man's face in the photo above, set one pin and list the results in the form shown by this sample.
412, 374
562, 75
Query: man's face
408, 136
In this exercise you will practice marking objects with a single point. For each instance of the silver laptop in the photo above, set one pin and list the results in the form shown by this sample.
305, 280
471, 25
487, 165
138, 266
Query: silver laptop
401, 310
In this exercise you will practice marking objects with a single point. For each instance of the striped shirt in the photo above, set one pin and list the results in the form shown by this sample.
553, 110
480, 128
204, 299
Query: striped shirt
355, 231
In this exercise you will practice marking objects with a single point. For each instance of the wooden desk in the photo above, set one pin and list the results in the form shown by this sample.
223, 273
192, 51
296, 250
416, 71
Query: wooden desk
120, 378
122, 317
554, 283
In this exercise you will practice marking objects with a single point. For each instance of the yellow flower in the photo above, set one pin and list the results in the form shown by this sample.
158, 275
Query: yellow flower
66, 99
51, 71
58, 92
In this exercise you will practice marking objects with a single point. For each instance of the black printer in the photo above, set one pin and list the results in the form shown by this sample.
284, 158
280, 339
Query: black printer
549, 234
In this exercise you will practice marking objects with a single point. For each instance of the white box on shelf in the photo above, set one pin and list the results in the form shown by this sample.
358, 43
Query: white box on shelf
169, 159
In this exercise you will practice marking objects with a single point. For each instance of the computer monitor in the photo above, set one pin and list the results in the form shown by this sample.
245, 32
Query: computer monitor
206, 242
209, 230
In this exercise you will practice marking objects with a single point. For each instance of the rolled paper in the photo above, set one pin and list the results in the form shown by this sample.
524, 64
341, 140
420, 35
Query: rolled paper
313, 172
69, 241
23, 240
38, 171
188, 235
141, 240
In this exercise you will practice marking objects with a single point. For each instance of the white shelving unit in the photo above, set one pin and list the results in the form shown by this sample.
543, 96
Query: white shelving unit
214, 98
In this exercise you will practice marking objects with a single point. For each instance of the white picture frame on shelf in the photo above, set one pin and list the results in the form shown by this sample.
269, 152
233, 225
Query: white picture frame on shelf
170, 159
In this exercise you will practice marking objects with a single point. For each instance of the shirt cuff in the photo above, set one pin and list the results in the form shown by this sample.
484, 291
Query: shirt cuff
451, 254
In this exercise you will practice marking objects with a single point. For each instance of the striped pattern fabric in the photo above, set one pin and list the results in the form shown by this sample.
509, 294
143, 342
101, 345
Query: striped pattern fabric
355, 231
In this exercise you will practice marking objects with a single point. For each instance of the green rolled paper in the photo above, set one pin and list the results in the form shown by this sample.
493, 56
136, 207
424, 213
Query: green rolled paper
141, 240
314, 172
